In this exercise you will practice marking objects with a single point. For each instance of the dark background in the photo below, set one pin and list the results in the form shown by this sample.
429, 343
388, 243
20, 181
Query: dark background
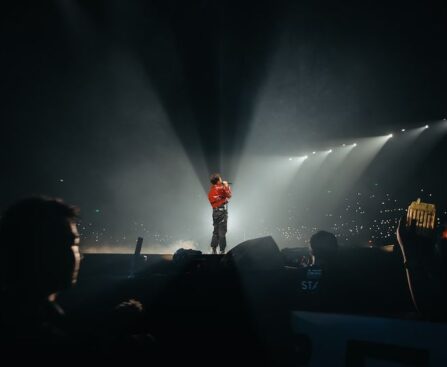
125, 107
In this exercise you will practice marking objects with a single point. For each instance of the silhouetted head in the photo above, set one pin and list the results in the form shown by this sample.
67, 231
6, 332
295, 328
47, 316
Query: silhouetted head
215, 178
324, 246
39, 246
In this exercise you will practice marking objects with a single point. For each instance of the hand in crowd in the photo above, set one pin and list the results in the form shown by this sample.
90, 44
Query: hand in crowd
424, 256
417, 244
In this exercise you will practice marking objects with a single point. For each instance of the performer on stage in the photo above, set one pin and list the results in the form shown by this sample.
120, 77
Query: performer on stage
219, 195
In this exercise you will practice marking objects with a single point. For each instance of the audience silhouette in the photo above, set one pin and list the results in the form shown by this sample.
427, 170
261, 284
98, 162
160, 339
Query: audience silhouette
39, 244
39, 258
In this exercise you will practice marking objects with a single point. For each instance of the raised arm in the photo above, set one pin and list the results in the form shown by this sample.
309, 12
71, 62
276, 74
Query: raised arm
424, 269
227, 190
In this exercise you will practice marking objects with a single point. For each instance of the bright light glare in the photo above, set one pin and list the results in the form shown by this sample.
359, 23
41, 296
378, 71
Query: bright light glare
305, 157
355, 144
330, 150
426, 126
403, 130
314, 152
290, 158
390, 135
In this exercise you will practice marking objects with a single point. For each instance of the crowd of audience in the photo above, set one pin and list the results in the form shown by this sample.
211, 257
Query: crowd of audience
369, 216
40, 258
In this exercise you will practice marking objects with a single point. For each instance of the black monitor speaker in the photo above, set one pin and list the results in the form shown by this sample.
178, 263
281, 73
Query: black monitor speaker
259, 254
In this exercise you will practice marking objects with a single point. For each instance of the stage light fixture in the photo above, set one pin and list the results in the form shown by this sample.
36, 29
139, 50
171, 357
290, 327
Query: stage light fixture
426, 126
390, 135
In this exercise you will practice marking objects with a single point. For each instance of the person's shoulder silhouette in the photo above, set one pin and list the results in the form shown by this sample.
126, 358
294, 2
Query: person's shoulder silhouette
317, 287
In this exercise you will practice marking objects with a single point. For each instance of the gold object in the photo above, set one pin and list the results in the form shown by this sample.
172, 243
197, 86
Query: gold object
423, 214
